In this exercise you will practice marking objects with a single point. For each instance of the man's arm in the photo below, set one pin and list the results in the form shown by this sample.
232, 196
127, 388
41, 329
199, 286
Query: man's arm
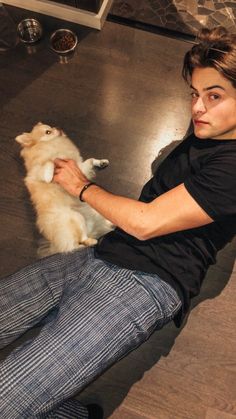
173, 211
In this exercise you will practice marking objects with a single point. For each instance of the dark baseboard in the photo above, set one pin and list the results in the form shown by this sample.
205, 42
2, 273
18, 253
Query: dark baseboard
150, 28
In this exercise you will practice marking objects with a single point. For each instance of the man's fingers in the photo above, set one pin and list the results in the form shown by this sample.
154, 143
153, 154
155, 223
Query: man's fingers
61, 162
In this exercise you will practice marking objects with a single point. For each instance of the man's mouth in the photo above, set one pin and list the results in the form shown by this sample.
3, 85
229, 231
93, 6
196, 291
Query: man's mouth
199, 122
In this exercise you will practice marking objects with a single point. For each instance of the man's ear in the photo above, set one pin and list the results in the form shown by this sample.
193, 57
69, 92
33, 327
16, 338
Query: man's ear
25, 139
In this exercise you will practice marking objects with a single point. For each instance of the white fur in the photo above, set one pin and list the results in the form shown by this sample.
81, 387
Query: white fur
65, 222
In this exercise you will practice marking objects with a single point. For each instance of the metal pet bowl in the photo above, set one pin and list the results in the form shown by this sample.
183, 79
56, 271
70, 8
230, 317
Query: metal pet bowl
63, 42
29, 31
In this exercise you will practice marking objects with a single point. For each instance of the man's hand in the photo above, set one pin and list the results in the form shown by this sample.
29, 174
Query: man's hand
69, 176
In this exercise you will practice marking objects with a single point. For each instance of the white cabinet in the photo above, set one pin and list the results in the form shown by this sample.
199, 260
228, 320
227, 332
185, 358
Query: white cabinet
65, 12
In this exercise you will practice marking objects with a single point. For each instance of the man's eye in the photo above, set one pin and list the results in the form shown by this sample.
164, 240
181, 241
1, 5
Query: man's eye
48, 131
194, 95
214, 96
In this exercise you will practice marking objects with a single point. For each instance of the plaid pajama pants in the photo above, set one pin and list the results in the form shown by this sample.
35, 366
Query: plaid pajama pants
92, 314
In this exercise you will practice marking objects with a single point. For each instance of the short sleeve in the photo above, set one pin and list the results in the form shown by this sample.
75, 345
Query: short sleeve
214, 185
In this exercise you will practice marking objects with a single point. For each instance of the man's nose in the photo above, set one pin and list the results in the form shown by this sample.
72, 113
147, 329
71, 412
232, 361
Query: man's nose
198, 106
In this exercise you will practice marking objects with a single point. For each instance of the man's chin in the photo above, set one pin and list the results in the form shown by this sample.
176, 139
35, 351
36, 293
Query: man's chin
201, 135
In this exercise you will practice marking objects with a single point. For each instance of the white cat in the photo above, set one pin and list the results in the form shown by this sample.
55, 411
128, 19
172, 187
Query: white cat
65, 221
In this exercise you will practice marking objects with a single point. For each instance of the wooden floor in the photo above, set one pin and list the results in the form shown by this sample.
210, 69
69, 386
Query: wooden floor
121, 97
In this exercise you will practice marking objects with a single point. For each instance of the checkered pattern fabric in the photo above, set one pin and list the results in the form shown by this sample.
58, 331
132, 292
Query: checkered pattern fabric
92, 314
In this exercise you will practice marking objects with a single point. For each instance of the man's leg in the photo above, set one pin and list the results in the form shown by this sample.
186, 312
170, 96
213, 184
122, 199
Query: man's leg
100, 319
28, 295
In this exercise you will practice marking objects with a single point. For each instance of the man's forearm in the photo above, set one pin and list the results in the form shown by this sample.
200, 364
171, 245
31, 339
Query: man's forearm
123, 212
173, 211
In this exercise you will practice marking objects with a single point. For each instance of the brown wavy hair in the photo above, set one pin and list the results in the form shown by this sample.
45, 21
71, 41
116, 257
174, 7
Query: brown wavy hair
215, 48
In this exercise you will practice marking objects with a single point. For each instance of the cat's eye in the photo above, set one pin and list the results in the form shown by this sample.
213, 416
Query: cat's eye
48, 131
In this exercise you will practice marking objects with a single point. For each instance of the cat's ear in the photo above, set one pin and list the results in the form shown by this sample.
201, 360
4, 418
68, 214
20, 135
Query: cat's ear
25, 139
39, 123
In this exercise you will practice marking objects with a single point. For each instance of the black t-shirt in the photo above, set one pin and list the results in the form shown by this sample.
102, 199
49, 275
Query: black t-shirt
207, 169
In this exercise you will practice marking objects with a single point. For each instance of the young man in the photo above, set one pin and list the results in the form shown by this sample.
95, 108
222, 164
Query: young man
99, 304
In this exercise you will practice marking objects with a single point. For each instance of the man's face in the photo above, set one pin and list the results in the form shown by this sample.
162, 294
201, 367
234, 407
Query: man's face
213, 105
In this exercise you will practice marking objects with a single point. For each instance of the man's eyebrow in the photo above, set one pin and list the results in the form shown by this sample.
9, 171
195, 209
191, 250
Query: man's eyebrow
210, 87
